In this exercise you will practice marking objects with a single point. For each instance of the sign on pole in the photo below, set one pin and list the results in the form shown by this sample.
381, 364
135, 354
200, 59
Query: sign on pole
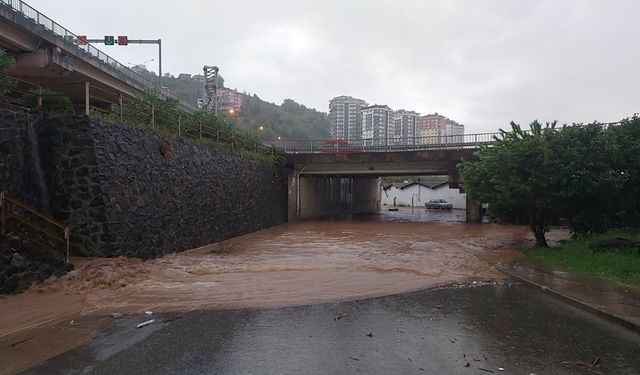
109, 40
123, 40
82, 40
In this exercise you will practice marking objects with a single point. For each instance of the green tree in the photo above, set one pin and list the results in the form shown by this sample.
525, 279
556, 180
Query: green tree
5, 63
581, 158
625, 165
51, 100
514, 176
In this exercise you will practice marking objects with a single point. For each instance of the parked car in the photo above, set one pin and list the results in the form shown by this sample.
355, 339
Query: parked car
440, 204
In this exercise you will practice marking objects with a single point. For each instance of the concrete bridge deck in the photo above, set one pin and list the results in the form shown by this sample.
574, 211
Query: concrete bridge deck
46, 54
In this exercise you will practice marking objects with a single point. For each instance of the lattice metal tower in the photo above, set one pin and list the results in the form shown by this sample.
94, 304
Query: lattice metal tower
211, 88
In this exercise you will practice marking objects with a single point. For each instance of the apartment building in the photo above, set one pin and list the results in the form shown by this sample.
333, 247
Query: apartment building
406, 124
345, 121
378, 125
436, 125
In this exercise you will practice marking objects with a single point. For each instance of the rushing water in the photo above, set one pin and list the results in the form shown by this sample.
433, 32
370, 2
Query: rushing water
300, 263
305, 262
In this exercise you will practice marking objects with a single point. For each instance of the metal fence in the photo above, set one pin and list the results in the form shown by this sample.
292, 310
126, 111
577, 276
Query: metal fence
383, 145
24, 95
70, 39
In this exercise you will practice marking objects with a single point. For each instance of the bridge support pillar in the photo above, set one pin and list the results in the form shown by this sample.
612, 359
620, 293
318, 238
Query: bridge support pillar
292, 211
86, 98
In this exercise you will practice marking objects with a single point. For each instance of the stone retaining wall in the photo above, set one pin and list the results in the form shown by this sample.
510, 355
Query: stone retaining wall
129, 191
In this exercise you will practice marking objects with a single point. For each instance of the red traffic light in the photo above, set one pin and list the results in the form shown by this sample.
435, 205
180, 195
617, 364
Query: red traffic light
123, 40
82, 40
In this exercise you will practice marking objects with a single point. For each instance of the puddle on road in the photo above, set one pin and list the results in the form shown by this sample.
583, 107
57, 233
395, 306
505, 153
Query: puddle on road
301, 263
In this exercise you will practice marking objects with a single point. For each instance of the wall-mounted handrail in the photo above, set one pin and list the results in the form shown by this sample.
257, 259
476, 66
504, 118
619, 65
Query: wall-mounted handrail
56, 237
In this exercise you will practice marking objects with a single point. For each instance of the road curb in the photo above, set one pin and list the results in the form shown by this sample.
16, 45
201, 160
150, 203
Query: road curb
575, 302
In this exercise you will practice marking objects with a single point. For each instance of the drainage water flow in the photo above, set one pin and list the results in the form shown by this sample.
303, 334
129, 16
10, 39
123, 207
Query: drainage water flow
39, 196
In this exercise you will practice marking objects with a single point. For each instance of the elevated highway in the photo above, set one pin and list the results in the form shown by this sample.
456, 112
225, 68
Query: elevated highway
48, 55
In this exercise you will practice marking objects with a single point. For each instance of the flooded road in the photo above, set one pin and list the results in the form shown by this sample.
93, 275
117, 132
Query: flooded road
481, 329
293, 264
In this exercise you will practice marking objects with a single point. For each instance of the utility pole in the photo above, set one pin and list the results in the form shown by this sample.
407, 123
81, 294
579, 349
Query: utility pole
211, 88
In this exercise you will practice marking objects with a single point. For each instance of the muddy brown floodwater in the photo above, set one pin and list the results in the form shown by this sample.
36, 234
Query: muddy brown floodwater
292, 264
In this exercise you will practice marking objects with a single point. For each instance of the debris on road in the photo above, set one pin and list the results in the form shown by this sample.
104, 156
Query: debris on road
486, 370
355, 359
500, 369
340, 316
116, 315
370, 334
148, 312
21, 342
144, 324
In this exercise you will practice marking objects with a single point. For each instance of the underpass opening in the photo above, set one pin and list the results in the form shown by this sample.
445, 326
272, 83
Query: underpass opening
312, 194
414, 198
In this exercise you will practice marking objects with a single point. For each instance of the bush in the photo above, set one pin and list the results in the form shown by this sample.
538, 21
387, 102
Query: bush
51, 100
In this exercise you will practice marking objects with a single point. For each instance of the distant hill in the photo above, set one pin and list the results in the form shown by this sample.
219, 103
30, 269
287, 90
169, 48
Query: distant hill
290, 120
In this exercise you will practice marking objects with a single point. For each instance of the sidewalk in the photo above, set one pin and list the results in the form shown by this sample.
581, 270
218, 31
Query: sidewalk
613, 301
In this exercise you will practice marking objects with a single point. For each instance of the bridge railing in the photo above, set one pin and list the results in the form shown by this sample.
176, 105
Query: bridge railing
70, 38
383, 144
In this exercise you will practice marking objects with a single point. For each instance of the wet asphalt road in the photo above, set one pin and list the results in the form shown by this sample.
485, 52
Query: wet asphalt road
470, 330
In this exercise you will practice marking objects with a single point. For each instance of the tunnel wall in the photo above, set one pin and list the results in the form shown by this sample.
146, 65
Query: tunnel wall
366, 195
130, 191
322, 196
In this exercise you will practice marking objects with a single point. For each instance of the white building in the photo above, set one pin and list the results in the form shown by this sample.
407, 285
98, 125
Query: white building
345, 121
377, 125
406, 126
414, 194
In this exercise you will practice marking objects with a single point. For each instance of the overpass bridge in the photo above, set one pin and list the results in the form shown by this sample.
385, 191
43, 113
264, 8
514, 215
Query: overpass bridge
47, 54
334, 176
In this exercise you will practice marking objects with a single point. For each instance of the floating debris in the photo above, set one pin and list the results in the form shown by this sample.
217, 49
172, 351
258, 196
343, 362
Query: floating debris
144, 324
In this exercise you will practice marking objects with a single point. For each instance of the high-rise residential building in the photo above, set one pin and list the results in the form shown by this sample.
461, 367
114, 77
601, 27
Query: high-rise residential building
436, 125
345, 121
406, 124
378, 125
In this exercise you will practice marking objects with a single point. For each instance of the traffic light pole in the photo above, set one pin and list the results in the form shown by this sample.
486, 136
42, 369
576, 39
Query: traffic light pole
142, 41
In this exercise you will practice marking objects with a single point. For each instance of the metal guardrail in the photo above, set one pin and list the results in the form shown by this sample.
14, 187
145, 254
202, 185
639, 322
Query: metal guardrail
30, 13
383, 145
34, 225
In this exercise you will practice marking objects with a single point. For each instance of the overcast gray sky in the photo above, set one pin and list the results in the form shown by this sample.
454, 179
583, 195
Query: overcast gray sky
482, 63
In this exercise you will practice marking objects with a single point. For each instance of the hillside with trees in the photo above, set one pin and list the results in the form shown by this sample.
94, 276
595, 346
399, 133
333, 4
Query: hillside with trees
290, 120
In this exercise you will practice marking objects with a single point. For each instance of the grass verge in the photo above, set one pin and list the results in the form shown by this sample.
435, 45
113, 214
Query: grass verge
576, 255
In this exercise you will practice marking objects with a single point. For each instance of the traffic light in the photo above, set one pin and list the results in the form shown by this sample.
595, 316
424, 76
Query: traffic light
82, 40
109, 40
123, 40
